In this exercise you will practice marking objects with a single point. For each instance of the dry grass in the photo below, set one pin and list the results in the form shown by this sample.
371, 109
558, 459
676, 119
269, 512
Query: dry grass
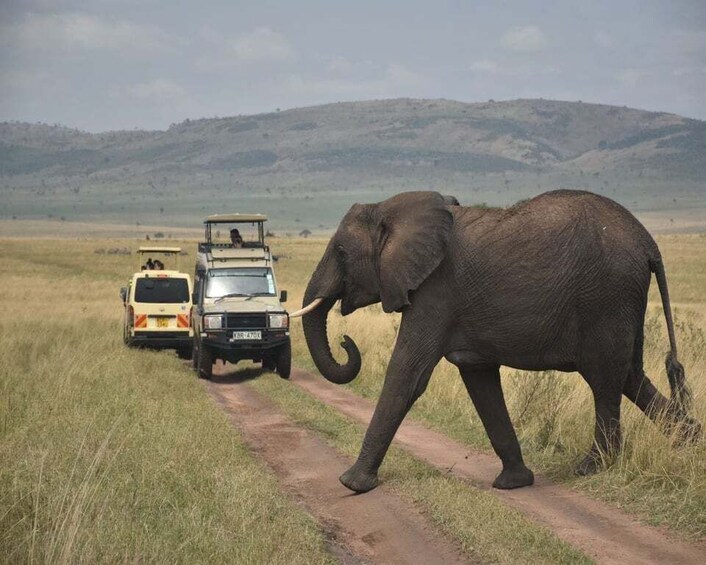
109, 454
115, 455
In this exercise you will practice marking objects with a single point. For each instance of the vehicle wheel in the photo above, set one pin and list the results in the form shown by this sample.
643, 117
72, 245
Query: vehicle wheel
184, 353
204, 362
268, 363
194, 354
126, 336
284, 360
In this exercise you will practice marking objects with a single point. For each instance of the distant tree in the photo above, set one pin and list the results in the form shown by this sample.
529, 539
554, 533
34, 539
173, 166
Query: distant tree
304, 233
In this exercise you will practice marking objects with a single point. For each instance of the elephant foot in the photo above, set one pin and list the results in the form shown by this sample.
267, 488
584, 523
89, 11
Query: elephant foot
516, 477
590, 464
359, 481
689, 431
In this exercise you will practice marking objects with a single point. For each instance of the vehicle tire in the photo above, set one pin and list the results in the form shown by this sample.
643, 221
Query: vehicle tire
284, 360
194, 354
204, 362
126, 336
268, 363
184, 353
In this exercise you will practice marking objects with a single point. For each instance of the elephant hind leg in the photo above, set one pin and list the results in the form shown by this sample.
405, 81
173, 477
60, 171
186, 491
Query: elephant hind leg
606, 375
640, 390
485, 389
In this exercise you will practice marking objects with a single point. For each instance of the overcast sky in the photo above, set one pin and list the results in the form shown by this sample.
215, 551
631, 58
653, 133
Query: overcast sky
121, 64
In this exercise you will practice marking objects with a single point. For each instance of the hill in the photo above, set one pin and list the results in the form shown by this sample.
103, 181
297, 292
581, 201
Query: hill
306, 166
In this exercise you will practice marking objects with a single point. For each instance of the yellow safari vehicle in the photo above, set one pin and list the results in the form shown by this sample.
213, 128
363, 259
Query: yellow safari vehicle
157, 302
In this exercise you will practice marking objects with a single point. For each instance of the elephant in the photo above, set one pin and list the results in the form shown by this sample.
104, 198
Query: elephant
558, 282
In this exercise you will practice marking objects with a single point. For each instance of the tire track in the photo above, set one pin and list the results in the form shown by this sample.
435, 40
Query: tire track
606, 534
377, 527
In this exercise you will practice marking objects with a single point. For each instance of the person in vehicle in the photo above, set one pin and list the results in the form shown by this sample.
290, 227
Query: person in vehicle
235, 238
158, 265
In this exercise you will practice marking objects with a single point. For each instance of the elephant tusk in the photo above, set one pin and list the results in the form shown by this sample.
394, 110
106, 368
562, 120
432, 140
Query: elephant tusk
313, 306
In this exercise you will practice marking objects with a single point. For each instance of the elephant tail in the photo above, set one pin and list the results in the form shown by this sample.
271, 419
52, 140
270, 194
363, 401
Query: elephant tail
681, 395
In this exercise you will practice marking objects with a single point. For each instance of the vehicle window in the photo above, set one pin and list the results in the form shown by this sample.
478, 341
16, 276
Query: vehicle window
162, 290
240, 282
249, 235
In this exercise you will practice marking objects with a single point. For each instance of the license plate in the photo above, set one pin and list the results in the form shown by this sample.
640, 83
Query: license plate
162, 322
247, 335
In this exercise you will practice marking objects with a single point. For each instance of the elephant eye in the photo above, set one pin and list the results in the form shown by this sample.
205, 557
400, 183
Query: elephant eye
340, 252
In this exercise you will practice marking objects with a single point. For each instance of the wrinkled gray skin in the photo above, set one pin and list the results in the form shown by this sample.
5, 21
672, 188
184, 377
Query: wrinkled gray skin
558, 282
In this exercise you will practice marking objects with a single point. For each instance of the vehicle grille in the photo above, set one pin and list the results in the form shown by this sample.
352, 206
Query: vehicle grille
257, 321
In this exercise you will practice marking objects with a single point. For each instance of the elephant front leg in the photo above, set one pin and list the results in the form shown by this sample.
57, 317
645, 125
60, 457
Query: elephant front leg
407, 377
485, 390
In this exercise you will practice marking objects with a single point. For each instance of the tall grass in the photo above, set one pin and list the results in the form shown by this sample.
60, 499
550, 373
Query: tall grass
553, 412
112, 455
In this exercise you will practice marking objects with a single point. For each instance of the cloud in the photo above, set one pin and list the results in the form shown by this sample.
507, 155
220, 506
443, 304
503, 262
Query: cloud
261, 44
511, 69
602, 39
391, 80
43, 84
689, 72
398, 76
484, 66
630, 77
160, 89
524, 39
77, 31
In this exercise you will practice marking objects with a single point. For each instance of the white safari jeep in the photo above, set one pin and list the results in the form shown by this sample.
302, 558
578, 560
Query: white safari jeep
157, 303
238, 312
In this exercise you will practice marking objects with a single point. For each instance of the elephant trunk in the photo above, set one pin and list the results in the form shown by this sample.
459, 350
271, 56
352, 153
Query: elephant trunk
314, 323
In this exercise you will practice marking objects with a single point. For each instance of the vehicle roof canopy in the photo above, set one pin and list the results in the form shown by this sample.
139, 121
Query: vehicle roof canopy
156, 249
235, 218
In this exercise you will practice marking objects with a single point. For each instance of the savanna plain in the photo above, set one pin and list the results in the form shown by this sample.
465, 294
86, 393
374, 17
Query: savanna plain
109, 454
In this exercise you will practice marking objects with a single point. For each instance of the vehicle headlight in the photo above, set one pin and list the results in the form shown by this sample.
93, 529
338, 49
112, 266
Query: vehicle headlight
279, 321
213, 322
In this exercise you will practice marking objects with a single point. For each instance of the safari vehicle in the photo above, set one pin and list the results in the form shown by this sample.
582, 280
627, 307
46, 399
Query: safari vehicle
157, 303
238, 313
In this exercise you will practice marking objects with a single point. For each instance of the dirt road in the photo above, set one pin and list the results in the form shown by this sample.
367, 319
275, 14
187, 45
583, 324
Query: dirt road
380, 528
376, 528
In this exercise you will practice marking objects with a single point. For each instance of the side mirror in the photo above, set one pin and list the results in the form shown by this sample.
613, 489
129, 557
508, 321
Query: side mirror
283, 296
123, 293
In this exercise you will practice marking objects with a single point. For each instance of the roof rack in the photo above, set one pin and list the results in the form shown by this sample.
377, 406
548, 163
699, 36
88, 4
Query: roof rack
208, 244
235, 218
157, 249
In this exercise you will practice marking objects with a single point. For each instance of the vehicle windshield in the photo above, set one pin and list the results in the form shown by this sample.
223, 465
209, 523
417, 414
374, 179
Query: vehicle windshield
245, 281
153, 290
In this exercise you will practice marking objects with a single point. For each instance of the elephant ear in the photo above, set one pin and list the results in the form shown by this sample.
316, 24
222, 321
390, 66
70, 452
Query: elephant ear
414, 232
